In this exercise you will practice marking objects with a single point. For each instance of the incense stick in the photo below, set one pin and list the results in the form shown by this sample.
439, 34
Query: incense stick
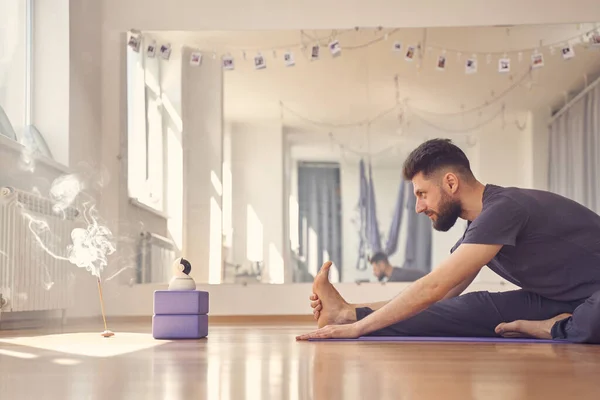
106, 332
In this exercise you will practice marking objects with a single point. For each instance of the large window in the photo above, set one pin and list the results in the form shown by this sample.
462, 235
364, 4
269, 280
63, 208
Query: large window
16, 76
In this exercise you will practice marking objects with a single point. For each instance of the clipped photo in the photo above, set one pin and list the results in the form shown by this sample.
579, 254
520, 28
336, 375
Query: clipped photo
134, 42
335, 48
195, 59
288, 58
151, 50
228, 63
441, 64
504, 65
259, 62
410, 53
397, 46
537, 60
314, 54
471, 66
165, 51
567, 52
595, 40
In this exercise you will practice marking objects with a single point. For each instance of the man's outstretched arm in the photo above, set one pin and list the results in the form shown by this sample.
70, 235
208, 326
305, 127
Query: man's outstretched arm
461, 287
462, 264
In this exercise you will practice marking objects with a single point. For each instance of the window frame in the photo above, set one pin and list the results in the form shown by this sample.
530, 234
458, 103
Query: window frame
27, 135
29, 21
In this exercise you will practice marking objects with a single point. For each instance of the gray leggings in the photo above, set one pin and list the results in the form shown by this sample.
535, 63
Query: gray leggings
477, 314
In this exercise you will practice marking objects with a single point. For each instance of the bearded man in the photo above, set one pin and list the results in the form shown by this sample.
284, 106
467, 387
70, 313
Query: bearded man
546, 244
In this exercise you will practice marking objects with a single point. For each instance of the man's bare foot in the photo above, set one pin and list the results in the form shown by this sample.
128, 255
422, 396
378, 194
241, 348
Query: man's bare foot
534, 329
334, 310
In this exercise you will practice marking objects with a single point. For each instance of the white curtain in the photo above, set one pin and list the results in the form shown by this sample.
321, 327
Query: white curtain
574, 161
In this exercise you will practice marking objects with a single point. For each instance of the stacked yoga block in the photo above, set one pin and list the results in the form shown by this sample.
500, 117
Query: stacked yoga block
180, 314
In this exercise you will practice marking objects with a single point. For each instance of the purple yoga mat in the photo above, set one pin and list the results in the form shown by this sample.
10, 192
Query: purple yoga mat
439, 339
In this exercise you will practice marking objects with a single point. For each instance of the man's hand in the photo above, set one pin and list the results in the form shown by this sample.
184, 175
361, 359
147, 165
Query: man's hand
348, 331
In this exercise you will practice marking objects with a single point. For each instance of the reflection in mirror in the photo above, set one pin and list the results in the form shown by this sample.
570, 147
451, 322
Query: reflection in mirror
260, 155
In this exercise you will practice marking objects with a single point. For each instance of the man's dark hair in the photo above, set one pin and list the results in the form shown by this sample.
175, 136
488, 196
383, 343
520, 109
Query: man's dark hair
435, 154
379, 256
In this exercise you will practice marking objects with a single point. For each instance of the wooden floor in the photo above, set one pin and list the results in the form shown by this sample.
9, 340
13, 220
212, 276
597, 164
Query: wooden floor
265, 362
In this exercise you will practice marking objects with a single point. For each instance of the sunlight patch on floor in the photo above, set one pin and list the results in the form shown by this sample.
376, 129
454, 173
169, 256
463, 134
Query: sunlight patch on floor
89, 344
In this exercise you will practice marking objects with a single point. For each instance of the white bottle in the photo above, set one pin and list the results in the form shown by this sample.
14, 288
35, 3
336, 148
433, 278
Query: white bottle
181, 279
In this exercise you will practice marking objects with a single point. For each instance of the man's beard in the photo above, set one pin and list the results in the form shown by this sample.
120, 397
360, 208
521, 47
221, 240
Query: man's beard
449, 212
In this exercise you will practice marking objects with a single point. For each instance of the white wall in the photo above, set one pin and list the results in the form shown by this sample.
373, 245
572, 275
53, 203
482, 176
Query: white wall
287, 207
227, 196
506, 153
257, 186
540, 143
171, 84
84, 130
202, 115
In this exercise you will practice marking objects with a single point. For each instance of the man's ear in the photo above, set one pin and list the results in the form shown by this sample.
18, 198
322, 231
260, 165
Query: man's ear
451, 182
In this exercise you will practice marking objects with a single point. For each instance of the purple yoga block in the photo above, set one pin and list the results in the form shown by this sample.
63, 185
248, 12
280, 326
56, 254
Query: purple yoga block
179, 326
180, 302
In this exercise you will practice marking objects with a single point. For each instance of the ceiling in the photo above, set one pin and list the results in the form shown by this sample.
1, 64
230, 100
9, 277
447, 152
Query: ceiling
196, 15
359, 84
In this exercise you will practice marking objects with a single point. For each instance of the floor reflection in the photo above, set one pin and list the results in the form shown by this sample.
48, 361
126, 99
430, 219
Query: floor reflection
265, 362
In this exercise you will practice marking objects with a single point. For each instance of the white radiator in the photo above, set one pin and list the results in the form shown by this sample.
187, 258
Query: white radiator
155, 256
30, 278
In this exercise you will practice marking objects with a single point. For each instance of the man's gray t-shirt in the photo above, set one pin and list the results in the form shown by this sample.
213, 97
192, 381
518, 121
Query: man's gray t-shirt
551, 244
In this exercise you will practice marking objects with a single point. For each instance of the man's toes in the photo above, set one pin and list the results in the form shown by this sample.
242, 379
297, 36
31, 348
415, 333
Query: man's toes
325, 266
499, 328
506, 327
512, 335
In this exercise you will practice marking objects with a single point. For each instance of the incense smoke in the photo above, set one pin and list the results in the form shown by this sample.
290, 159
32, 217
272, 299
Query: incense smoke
40, 228
113, 276
27, 160
64, 190
47, 280
91, 245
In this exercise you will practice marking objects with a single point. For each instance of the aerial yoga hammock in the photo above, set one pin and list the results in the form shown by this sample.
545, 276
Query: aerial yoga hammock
369, 227
418, 240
